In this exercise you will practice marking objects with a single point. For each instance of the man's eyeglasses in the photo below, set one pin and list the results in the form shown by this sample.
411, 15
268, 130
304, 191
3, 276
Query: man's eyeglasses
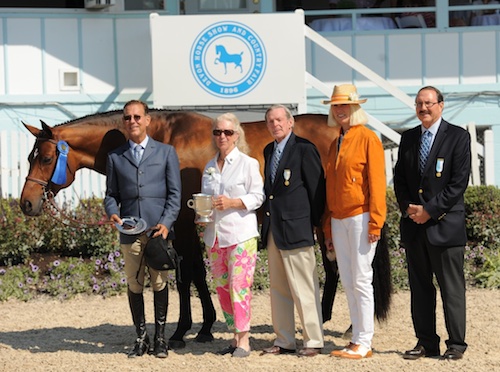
137, 118
227, 132
426, 104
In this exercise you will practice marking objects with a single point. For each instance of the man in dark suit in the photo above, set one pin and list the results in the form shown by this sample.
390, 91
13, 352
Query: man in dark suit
143, 180
429, 188
295, 191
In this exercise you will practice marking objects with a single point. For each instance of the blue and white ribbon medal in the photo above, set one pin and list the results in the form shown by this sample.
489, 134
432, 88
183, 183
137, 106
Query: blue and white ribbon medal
59, 176
439, 166
287, 173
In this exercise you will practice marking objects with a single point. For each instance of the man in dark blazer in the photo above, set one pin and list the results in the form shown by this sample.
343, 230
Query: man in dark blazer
294, 205
143, 180
431, 199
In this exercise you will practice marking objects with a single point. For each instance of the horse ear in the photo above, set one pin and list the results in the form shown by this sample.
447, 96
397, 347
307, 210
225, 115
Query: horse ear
46, 129
34, 131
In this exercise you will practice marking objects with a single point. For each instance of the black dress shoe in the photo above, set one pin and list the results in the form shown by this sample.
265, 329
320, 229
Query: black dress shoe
452, 354
419, 352
141, 346
276, 350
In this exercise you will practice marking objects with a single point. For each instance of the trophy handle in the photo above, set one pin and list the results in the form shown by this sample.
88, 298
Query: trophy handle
190, 203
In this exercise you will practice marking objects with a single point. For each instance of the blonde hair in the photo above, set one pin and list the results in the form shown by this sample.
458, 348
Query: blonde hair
241, 142
358, 116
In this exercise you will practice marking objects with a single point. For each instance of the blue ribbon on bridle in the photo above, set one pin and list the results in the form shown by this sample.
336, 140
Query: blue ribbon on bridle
59, 176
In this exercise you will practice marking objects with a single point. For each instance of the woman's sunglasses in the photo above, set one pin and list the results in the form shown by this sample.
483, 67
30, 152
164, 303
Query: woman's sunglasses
227, 132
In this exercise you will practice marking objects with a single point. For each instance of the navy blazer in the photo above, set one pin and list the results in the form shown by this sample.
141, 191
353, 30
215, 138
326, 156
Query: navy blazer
440, 191
150, 190
292, 208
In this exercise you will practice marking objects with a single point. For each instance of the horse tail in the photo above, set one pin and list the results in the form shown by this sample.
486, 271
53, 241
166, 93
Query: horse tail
382, 280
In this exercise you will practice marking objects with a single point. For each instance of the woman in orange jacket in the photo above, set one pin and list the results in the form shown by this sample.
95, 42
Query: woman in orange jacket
356, 210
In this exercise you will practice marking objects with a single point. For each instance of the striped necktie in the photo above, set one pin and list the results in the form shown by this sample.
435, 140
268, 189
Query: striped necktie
138, 153
425, 147
275, 163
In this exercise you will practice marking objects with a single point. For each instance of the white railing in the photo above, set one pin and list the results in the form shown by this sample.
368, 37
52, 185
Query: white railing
486, 151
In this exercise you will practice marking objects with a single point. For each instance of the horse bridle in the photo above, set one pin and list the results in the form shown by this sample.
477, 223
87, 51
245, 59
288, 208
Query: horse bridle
42, 183
48, 195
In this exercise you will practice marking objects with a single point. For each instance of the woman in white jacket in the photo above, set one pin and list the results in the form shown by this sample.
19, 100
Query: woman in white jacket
234, 180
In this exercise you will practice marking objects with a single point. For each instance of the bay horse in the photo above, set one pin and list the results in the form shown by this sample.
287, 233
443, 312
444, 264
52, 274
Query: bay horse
90, 138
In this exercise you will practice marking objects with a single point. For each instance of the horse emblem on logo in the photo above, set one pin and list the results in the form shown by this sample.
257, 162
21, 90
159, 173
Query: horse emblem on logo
228, 59
225, 58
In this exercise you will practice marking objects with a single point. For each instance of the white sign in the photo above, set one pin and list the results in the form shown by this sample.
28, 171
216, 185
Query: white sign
213, 60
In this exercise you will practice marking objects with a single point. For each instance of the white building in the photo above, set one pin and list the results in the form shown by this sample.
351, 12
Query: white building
72, 58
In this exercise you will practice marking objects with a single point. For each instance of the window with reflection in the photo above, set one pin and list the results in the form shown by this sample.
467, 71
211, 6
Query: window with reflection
144, 5
222, 4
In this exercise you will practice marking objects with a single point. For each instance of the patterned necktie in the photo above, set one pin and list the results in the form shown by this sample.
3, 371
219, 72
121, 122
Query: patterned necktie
138, 153
425, 147
275, 163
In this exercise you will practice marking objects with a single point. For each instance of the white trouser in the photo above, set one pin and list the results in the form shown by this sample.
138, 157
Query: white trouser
354, 257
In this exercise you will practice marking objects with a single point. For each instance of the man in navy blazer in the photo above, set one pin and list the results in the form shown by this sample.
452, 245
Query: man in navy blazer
295, 203
431, 199
147, 186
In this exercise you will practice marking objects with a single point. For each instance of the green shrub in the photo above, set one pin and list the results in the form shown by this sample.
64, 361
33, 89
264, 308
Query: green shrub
489, 275
93, 236
20, 235
482, 208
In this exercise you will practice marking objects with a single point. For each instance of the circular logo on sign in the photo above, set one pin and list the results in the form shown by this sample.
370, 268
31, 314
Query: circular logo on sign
228, 59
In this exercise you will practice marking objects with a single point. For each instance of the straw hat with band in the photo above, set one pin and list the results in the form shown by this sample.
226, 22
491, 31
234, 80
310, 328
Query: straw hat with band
345, 94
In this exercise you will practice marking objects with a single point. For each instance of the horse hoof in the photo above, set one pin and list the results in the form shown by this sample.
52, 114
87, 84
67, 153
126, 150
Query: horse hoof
176, 344
203, 337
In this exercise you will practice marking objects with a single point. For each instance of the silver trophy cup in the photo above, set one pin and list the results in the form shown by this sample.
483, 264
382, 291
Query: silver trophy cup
202, 205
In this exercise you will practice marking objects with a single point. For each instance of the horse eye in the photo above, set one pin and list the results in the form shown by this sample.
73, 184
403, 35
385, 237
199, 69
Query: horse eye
46, 160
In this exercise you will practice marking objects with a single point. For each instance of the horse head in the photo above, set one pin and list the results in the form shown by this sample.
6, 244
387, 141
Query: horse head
219, 50
52, 168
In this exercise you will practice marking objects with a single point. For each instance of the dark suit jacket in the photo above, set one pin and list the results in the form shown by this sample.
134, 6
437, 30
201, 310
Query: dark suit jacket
292, 210
440, 192
150, 190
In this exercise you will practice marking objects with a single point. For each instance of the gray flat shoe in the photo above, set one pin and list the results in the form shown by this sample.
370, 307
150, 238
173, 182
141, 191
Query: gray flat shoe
240, 353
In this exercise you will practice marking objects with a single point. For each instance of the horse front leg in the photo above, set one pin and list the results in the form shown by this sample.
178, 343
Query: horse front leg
185, 322
209, 315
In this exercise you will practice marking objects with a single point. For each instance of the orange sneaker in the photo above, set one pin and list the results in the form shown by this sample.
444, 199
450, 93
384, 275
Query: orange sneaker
353, 351
337, 353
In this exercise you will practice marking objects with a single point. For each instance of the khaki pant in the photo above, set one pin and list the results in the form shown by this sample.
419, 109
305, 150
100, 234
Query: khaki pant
294, 283
135, 267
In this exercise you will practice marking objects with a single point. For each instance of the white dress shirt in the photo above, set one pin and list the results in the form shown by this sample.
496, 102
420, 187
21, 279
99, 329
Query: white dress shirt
240, 179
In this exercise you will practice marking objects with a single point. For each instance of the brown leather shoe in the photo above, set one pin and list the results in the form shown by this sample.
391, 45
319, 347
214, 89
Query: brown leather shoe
276, 350
419, 352
452, 354
309, 352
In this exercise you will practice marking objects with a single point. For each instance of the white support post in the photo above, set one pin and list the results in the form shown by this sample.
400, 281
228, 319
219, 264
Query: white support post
476, 177
489, 158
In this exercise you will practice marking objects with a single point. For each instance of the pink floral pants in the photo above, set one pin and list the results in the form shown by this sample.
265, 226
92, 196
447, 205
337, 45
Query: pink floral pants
232, 270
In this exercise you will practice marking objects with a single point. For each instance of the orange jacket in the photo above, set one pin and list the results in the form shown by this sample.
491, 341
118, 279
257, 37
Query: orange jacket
355, 179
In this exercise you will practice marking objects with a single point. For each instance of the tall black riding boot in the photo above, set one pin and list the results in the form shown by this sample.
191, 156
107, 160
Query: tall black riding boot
161, 304
136, 302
